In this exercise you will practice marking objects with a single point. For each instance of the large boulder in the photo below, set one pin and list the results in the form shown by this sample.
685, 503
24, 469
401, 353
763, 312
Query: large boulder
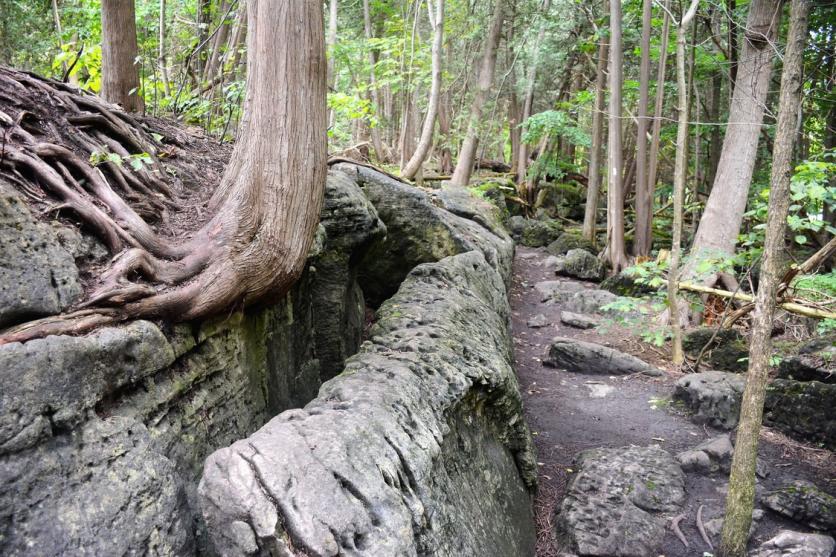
713, 397
624, 284
568, 241
418, 447
418, 231
803, 502
533, 233
103, 436
727, 352
557, 291
615, 504
803, 410
38, 275
587, 357
796, 544
589, 300
815, 362
580, 264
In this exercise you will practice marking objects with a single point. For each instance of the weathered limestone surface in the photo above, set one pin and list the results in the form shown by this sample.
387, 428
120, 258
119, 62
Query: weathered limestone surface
417, 448
421, 231
103, 437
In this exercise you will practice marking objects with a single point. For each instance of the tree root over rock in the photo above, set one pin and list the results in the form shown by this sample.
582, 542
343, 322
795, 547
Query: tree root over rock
69, 145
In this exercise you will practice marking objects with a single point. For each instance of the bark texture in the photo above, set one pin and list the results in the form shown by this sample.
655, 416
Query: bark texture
263, 214
616, 253
467, 154
120, 75
596, 152
425, 142
720, 223
740, 499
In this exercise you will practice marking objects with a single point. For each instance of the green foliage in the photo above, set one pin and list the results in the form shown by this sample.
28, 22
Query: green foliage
649, 273
552, 125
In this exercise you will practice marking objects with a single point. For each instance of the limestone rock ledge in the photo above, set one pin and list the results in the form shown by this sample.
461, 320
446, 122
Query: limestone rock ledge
418, 448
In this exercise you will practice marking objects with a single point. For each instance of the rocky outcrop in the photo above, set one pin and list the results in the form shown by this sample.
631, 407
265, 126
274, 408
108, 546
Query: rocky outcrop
803, 502
580, 264
418, 447
814, 362
712, 455
557, 291
801, 409
587, 357
568, 241
38, 275
589, 300
713, 397
103, 437
614, 504
727, 352
796, 544
533, 233
419, 231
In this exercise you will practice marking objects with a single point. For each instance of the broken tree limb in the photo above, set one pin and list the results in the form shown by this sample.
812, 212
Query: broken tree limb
792, 307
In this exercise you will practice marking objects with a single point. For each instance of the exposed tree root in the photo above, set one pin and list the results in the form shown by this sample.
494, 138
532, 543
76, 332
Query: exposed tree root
57, 143
676, 530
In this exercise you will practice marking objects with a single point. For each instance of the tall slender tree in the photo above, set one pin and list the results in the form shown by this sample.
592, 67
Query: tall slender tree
616, 253
374, 94
644, 201
597, 150
425, 142
120, 74
740, 499
467, 153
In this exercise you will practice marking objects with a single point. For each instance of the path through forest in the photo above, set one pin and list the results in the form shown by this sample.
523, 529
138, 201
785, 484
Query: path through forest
570, 412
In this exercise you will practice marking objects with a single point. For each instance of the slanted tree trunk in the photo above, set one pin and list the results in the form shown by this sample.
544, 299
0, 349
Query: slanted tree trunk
720, 223
218, 42
467, 153
644, 201
528, 102
616, 253
374, 94
679, 176
120, 75
740, 498
597, 151
425, 142
263, 214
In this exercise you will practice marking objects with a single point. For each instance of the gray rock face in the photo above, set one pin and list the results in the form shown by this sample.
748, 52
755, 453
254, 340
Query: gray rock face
103, 437
577, 320
393, 457
727, 352
533, 233
38, 276
418, 232
613, 504
351, 224
713, 396
587, 357
796, 544
803, 502
815, 365
568, 241
538, 321
710, 456
801, 409
589, 300
557, 291
580, 264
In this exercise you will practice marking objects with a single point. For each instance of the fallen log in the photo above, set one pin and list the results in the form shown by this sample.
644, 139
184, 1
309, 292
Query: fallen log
792, 307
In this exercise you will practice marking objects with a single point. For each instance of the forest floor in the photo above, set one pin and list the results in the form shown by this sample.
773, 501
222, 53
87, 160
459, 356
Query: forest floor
570, 412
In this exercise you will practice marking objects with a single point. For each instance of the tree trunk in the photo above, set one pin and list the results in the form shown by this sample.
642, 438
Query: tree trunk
467, 153
528, 102
120, 75
720, 223
425, 142
374, 95
731, 7
740, 498
679, 176
263, 214
653, 160
597, 151
217, 43
616, 253
161, 57
644, 201
330, 44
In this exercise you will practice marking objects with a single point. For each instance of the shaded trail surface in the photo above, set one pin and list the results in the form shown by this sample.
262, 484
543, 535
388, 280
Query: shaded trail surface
570, 412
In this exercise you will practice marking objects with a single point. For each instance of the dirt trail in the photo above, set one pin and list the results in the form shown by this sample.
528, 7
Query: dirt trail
570, 412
